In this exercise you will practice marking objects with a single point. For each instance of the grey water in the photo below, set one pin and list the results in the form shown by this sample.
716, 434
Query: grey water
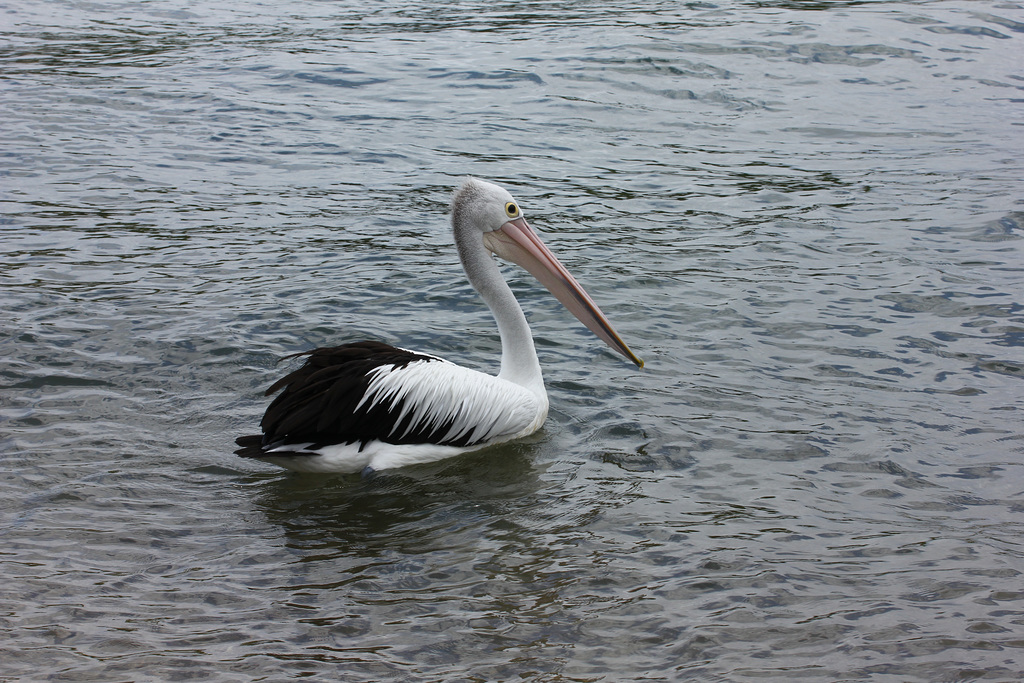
806, 217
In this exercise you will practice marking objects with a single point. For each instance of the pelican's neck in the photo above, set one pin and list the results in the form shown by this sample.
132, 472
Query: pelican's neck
519, 362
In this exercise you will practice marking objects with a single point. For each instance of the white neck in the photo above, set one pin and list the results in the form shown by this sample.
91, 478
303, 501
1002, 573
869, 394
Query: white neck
519, 362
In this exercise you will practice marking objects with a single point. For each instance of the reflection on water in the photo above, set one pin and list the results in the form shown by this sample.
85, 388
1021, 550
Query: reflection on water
804, 216
394, 509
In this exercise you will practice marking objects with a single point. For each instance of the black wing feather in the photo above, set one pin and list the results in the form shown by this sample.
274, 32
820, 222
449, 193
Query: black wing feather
319, 403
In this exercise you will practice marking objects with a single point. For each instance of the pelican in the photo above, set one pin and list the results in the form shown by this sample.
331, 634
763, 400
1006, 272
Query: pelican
369, 406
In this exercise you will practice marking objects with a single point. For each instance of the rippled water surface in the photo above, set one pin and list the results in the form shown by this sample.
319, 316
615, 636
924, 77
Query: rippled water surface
805, 216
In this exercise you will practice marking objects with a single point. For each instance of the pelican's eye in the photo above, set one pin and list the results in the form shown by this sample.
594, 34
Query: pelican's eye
511, 209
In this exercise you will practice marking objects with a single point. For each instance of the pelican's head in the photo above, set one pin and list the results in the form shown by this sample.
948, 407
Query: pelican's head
483, 205
490, 209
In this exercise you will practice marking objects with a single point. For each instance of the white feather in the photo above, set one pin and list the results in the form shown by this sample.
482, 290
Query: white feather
480, 407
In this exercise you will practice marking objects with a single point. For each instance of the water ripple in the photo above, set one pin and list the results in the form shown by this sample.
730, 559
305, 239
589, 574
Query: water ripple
804, 216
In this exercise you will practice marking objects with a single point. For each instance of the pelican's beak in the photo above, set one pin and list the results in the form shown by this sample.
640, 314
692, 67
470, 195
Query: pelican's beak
517, 242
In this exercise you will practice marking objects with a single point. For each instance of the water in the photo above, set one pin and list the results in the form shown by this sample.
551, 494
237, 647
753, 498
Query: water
805, 217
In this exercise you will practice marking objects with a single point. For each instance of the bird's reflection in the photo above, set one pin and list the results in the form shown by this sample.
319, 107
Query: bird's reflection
405, 507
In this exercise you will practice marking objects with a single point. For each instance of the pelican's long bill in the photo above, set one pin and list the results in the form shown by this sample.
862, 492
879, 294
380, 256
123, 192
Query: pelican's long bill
517, 242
